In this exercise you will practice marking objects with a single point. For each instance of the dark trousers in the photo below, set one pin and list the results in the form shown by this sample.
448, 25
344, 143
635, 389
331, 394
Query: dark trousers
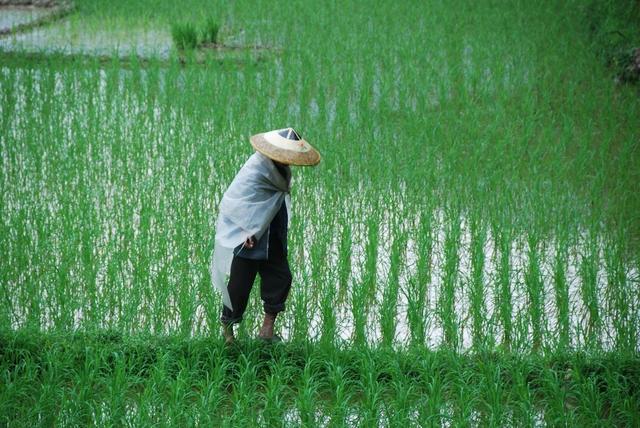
275, 283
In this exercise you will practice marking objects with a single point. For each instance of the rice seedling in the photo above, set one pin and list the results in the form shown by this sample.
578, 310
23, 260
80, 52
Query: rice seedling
210, 31
417, 311
534, 291
389, 305
589, 276
477, 281
274, 395
446, 300
503, 285
184, 35
560, 282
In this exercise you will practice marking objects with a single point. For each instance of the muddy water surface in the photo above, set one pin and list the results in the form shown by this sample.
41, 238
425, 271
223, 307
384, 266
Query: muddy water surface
12, 16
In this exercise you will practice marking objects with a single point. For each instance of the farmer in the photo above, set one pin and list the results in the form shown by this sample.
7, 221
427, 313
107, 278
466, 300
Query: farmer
251, 230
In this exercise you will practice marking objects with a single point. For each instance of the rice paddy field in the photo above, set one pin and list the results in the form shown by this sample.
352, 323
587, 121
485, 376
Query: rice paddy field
467, 253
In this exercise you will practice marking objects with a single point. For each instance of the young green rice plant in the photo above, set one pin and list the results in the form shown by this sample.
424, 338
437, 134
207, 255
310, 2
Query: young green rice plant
388, 309
464, 398
534, 286
372, 391
341, 391
319, 267
522, 397
587, 394
433, 399
359, 313
184, 35
117, 386
400, 409
556, 396
561, 287
417, 312
589, 291
244, 392
181, 395
446, 300
301, 303
493, 397
477, 284
328, 309
344, 258
503, 239
416, 322
619, 300
211, 394
274, 394
360, 296
210, 31
308, 387
80, 395
371, 257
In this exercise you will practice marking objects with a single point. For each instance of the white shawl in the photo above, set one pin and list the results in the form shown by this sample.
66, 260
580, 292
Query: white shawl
247, 208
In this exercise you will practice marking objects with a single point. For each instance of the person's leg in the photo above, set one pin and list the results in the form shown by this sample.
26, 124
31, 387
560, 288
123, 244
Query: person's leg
241, 278
274, 287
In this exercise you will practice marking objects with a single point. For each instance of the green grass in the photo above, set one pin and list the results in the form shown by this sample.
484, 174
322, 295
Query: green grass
466, 251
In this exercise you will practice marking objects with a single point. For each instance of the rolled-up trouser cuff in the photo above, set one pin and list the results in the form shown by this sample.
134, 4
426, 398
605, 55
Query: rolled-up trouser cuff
273, 309
228, 318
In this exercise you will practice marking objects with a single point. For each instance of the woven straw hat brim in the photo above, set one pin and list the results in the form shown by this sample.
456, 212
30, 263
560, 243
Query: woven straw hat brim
309, 157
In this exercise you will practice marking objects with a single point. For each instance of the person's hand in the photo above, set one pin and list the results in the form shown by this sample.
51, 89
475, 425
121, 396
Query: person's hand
249, 242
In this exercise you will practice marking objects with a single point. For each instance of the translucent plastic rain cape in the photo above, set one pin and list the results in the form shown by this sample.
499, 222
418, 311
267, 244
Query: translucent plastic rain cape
247, 208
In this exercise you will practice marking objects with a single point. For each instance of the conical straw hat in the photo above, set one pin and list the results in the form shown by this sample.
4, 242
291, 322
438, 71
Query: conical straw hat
285, 146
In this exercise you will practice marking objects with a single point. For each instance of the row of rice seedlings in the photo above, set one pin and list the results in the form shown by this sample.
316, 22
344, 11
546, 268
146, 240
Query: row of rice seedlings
589, 292
274, 395
417, 303
535, 289
561, 287
621, 301
446, 300
503, 284
477, 308
389, 305
200, 380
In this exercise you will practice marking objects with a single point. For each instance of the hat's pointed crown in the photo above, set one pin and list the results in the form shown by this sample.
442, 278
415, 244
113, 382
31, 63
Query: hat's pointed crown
286, 146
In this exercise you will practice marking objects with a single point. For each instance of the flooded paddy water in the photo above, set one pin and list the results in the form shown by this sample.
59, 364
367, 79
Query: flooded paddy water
13, 16
67, 38
55, 30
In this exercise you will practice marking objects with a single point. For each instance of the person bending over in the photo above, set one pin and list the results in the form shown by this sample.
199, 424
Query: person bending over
251, 229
